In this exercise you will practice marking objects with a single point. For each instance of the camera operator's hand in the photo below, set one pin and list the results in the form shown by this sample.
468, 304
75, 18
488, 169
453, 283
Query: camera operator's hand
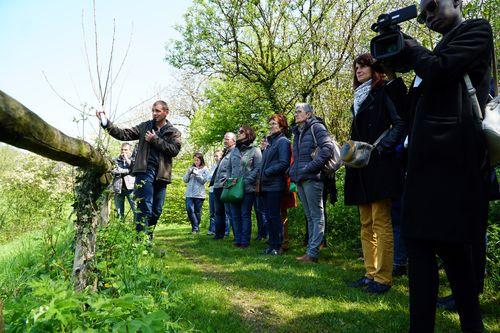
410, 41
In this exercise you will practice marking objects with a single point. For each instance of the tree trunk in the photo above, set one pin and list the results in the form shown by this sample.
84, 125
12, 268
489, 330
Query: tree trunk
24, 129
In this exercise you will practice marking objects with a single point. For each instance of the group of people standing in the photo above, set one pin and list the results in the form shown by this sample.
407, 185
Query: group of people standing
434, 193
266, 186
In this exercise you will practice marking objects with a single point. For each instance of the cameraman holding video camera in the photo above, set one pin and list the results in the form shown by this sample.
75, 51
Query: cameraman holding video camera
445, 203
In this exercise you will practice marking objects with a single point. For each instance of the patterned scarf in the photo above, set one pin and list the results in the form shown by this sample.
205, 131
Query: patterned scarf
360, 94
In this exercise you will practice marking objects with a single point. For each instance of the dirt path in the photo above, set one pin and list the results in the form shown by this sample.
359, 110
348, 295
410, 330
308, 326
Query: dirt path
255, 311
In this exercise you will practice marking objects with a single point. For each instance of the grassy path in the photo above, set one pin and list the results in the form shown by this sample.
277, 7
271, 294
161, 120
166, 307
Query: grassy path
227, 289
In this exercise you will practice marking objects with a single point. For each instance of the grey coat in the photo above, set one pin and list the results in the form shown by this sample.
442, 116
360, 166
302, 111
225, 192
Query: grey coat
221, 174
303, 166
195, 179
245, 162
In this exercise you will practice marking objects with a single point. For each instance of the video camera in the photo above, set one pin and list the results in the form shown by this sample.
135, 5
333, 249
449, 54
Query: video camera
390, 41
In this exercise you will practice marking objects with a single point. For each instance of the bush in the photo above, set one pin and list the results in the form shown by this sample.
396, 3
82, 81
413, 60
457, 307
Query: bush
493, 247
34, 192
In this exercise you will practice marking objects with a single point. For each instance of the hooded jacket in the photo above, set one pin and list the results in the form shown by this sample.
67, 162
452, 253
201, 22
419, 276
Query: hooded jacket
304, 167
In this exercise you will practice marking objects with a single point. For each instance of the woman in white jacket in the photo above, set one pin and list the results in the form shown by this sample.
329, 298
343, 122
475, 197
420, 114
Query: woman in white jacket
195, 177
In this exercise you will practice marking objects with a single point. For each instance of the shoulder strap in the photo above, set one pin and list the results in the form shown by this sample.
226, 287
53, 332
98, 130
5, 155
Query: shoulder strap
381, 136
314, 136
472, 94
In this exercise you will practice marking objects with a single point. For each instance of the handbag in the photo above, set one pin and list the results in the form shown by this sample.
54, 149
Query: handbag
491, 129
356, 154
334, 162
490, 123
234, 189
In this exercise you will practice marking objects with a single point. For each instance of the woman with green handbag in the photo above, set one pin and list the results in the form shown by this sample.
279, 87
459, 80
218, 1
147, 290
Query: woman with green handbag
243, 170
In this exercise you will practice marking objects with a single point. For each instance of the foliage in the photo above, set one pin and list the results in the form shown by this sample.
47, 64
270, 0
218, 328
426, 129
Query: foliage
287, 51
34, 192
493, 245
134, 294
231, 103
174, 208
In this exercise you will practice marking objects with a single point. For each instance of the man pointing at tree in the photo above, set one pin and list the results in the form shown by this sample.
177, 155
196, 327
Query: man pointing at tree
159, 142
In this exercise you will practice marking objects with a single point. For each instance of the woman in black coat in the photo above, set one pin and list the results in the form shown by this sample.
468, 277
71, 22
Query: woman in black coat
275, 162
373, 187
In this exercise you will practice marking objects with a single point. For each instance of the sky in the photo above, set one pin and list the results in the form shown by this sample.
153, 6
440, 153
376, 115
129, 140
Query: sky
39, 37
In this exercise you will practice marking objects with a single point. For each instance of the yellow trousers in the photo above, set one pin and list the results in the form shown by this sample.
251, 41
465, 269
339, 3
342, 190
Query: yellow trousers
377, 240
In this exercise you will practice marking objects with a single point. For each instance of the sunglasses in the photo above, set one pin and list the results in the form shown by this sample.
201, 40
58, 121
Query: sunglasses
430, 8
241, 131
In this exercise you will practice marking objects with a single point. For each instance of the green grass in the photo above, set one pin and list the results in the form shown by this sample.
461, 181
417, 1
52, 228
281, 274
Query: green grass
211, 286
227, 289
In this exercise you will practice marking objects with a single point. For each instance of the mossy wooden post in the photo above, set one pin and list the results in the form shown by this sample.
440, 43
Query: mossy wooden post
2, 323
24, 129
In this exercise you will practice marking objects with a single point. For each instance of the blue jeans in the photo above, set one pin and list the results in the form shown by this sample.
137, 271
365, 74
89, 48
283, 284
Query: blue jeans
242, 219
150, 196
311, 197
193, 209
211, 207
220, 214
272, 210
229, 218
120, 202
260, 216
400, 256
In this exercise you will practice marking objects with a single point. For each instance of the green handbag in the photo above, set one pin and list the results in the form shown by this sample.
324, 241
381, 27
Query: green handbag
234, 189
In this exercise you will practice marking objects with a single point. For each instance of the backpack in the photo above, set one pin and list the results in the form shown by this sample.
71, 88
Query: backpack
334, 162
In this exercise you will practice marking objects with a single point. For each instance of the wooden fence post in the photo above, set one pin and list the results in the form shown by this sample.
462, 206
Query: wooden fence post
2, 323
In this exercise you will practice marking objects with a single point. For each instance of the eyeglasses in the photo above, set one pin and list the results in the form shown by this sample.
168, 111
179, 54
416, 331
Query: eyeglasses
430, 8
297, 111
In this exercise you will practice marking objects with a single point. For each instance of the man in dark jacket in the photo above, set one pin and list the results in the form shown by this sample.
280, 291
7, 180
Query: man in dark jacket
445, 203
159, 142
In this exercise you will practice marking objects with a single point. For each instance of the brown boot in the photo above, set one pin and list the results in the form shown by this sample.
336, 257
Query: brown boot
307, 258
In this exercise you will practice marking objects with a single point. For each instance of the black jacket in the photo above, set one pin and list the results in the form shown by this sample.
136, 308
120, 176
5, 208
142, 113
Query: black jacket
445, 195
275, 163
379, 179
